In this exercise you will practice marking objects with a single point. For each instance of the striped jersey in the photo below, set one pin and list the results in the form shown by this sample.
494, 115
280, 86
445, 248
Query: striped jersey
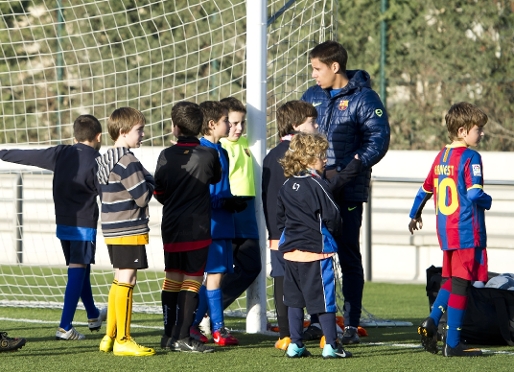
456, 181
127, 188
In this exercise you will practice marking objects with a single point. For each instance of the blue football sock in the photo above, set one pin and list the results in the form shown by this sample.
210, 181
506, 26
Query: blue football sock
71, 296
215, 299
328, 326
202, 306
87, 296
295, 315
441, 301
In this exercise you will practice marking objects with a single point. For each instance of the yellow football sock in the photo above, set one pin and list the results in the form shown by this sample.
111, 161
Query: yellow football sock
110, 329
123, 311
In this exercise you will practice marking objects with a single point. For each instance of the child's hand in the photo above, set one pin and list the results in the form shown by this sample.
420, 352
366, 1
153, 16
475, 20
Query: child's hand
415, 224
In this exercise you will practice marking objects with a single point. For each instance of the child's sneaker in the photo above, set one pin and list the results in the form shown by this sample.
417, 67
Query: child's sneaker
222, 337
72, 334
195, 333
428, 332
190, 345
329, 352
131, 348
106, 344
283, 343
350, 336
313, 332
169, 343
460, 351
96, 324
293, 351
9, 343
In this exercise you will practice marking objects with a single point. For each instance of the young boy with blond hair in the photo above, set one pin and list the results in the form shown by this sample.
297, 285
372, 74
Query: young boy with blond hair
182, 177
309, 221
456, 181
223, 205
127, 188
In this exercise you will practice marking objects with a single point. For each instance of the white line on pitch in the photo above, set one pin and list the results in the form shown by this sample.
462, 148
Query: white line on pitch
57, 322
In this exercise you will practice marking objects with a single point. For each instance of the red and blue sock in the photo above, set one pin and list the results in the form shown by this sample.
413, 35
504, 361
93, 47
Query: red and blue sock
456, 307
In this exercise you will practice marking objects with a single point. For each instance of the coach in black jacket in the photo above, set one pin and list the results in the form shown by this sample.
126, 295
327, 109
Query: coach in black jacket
355, 122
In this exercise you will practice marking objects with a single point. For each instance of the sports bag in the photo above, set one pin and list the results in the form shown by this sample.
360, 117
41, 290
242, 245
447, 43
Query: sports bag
489, 316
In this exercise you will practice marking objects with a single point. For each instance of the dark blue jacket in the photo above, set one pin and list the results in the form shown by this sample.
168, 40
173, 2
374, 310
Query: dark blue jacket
355, 122
222, 221
75, 186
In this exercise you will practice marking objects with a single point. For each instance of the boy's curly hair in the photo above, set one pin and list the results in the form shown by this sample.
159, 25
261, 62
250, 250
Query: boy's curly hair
304, 150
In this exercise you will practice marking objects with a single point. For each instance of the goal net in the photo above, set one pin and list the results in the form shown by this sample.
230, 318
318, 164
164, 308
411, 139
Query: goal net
64, 58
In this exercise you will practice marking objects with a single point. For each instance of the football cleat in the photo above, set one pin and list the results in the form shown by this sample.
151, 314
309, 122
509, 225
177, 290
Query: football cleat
190, 345
9, 343
350, 336
222, 337
169, 343
428, 332
195, 333
293, 351
106, 344
329, 352
460, 351
70, 335
131, 348
96, 324
283, 343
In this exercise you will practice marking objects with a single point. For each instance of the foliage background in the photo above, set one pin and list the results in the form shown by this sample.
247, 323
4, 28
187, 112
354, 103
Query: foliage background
150, 54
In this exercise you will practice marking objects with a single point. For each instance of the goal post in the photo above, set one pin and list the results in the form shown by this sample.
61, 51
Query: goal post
64, 58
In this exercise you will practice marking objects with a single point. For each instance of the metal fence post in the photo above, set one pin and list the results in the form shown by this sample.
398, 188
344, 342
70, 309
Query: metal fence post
18, 218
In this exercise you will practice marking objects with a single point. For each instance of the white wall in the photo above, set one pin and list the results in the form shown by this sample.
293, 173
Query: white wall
396, 255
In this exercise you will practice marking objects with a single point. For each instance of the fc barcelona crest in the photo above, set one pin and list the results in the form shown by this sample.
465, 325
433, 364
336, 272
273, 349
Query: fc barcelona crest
247, 152
343, 105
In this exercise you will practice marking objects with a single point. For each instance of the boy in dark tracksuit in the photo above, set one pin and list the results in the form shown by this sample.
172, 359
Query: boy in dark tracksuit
292, 117
75, 191
182, 178
310, 221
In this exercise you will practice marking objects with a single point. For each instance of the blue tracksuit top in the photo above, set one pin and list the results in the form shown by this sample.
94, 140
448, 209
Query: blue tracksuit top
222, 222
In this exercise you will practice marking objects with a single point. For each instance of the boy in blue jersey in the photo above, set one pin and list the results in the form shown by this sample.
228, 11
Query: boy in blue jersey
245, 245
223, 205
127, 188
309, 220
456, 180
75, 190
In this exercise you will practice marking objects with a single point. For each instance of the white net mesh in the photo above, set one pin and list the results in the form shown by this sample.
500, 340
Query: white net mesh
63, 58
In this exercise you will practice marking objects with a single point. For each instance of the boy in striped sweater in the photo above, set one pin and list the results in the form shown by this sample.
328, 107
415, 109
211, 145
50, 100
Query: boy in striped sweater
127, 188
